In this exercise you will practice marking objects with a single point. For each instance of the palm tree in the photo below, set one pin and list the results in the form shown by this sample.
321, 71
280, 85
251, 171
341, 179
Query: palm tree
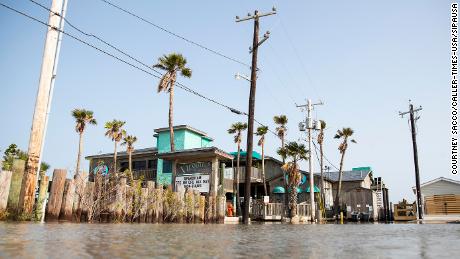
82, 117
343, 134
281, 130
237, 129
172, 64
116, 132
261, 131
320, 140
129, 141
296, 152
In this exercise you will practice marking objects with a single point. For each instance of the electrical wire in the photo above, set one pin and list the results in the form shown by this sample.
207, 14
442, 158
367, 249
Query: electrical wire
186, 88
330, 163
176, 35
180, 85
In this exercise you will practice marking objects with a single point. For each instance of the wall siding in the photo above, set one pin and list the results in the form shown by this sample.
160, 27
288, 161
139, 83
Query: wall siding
439, 188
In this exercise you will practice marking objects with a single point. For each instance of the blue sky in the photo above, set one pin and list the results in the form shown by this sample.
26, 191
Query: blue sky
364, 59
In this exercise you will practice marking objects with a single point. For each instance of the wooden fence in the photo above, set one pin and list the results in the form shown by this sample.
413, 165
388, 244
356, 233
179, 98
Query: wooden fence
111, 199
442, 204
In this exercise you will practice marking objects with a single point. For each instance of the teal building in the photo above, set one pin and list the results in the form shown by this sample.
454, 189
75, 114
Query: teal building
185, 138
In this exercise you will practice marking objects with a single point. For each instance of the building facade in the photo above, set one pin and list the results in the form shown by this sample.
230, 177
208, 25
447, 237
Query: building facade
440, 196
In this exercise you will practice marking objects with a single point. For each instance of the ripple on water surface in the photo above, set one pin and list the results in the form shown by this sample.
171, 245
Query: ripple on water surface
210, 241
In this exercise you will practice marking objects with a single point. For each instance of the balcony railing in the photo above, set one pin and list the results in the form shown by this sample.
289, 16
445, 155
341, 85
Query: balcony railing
256, 174
148, 174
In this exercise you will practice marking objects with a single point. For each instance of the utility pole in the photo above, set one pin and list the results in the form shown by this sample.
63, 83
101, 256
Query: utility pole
53, 80
413, 120
252, 100
27, 194
311, 126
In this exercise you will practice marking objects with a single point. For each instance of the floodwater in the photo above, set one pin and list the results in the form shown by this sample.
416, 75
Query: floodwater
66, 240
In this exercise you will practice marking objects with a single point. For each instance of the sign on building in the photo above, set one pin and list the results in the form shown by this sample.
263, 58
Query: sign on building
194, 168
198, 182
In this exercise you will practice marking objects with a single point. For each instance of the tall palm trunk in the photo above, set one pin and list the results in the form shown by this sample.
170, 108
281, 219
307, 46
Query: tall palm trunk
237, 182
286, 198
115, 159
131, 175
130, 161
80, 150
337, 196
171, 113
263, 169
292, 193
322, 198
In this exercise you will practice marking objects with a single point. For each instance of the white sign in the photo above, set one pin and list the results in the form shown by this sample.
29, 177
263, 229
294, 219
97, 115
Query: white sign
198, 182
266, 199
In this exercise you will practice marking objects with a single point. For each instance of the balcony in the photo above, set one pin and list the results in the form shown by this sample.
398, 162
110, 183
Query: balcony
256, 174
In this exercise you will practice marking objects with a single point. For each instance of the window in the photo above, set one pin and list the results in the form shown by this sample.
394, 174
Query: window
152, 164
124, 166
167, 167
139, 165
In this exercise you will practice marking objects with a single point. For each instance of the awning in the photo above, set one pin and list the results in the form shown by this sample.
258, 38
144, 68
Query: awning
255, 154
308, 189
279, 189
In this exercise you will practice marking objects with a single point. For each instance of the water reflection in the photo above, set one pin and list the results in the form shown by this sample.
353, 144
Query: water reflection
229, 241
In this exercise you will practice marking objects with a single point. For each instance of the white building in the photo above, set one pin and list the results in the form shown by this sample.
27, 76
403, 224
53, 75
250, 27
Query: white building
440, 196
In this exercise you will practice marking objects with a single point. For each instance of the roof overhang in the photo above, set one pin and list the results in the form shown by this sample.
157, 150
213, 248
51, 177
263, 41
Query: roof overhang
195, 154
185, 127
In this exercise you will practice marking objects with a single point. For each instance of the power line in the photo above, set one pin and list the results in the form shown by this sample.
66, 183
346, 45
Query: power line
175, 34
94, 36
326, 158
182, 86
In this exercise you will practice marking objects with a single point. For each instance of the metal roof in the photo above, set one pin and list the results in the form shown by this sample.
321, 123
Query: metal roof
255, 154
140, 151
437, 180
347, 176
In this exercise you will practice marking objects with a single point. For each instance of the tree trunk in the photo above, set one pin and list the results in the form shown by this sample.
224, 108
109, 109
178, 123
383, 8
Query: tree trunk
237, 182
293, 200
171, 129
80, 150
286, 198
130, 162
115, 159
336, 202
263, 169
322, 198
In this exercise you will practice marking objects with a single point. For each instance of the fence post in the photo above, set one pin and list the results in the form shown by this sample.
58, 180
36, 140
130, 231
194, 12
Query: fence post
88, 202
57, 190
5, 182
67, 200
150, 200
80, 184
15, 186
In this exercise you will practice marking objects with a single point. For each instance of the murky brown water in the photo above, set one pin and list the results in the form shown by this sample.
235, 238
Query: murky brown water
30, 240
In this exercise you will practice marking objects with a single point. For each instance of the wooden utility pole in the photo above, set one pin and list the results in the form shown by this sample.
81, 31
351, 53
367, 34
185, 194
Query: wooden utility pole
414, 147
252, 100
27, 194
